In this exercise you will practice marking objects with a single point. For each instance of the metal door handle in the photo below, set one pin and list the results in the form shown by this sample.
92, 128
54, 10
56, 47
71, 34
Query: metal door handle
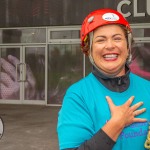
25, 71
18, 66
18, 69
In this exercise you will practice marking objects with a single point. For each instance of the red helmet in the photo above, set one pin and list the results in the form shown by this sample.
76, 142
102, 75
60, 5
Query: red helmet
99, 18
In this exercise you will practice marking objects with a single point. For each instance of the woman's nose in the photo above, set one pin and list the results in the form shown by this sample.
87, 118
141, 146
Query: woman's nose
109, 44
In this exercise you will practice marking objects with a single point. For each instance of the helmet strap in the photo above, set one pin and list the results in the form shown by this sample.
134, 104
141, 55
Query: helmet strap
129, 59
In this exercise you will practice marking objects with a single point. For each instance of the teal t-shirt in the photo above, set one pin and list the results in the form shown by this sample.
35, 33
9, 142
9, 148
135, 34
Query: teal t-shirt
85, 110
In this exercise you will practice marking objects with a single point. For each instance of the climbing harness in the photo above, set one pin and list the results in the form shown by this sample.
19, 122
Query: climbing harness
147, 142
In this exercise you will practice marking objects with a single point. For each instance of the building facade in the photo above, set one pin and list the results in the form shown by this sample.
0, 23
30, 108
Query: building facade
40, 52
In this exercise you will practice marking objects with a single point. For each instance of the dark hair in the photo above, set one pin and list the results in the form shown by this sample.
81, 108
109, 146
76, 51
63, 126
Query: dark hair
85, 49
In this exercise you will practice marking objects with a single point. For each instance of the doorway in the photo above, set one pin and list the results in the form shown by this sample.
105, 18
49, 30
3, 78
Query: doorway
22, 74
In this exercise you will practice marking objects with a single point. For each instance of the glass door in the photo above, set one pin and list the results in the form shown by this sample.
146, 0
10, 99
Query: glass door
10, 73
34, 74
65, 66
22, 74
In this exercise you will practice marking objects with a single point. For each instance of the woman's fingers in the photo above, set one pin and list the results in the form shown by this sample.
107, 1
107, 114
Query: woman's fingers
139, 120
126, 113
136, 106
110, 103
129, 101
138, 112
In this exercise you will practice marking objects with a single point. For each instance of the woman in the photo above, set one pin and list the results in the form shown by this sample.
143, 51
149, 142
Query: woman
108, 109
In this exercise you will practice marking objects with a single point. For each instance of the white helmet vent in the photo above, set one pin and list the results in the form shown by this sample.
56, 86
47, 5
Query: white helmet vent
90, 19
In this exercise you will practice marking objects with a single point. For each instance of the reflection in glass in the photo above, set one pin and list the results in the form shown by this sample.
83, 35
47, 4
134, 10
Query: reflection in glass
29, 35
36, 35
35, 73
141, 32
71, 34
9, 85
140, 63
65, 66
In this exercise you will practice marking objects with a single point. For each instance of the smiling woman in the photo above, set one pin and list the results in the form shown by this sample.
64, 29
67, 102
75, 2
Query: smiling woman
103, 110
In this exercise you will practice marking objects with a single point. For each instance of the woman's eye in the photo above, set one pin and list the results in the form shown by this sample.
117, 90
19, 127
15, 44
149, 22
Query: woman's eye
100, 40
117, 39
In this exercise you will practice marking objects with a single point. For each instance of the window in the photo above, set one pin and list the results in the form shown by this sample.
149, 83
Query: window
63, 35
141, 50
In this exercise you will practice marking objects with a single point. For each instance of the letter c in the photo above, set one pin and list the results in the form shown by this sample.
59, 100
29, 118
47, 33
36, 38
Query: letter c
119, 7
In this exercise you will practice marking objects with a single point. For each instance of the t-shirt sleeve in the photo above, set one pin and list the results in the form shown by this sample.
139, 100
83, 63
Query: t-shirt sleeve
74, 123
75, 126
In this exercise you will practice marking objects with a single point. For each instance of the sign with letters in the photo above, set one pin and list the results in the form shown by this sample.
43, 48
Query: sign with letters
136, 11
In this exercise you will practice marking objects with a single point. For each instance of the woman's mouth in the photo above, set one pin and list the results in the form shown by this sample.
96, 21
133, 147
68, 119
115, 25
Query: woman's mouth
111, 57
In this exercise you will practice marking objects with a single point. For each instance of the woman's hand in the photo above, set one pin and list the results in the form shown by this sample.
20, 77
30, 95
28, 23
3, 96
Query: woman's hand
122, 116
126, 114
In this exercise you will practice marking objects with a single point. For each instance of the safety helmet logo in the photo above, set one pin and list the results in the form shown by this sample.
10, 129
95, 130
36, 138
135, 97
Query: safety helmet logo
110, 17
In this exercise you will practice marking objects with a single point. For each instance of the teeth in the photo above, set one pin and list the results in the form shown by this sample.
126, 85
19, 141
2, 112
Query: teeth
110, 56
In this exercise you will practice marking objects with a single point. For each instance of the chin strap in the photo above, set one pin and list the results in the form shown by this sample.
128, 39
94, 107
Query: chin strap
147, 142
129, 59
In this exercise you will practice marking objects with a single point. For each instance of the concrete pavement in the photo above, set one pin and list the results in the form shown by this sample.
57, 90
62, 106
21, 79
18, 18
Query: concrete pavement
29, 127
